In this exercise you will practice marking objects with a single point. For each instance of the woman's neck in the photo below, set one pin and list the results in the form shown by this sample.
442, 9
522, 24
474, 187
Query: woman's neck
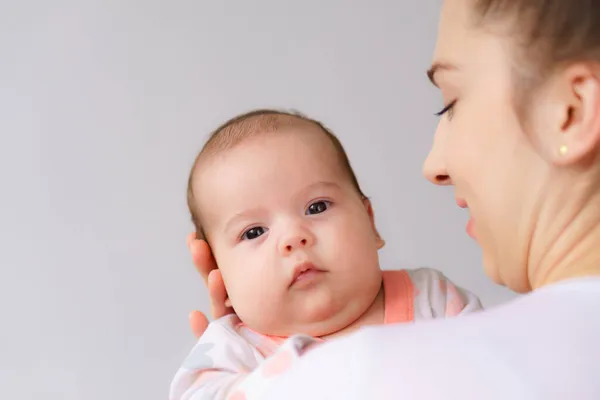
581, 260
572, 243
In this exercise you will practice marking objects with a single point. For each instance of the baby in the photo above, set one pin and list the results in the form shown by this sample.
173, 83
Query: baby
274, 195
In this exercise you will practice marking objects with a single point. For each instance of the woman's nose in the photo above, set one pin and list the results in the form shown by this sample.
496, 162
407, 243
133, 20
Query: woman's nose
436, 174
434, 167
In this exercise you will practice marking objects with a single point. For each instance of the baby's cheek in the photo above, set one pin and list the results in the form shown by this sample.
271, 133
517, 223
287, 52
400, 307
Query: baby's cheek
258, 304
352, 244
256, 286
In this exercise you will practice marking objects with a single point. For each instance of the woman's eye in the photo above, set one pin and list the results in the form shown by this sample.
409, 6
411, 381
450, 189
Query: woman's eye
253, 233
448, 109
317, 207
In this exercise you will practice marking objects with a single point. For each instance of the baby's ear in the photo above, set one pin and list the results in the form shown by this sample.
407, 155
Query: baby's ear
227, 303
369, 208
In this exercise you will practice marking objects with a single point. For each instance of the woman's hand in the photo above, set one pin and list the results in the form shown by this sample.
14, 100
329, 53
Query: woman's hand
205, 264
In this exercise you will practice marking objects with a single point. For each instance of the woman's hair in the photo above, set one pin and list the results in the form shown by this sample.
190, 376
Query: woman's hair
550, 33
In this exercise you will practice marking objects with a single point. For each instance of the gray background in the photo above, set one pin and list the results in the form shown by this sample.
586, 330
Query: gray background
103, 105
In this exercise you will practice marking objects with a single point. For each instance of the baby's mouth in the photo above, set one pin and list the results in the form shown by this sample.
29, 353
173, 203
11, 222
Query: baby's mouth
304, 274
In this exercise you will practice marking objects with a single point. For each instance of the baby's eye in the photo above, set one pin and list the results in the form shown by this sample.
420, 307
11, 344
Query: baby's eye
253, 233
317, 207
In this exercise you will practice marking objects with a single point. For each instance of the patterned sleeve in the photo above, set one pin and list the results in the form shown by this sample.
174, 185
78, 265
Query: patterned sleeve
435, 296
224, 366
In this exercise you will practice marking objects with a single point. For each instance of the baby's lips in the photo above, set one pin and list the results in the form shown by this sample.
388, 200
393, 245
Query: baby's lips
303, 269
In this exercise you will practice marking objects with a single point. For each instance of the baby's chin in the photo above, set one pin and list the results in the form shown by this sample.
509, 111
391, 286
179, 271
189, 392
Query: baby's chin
315, 319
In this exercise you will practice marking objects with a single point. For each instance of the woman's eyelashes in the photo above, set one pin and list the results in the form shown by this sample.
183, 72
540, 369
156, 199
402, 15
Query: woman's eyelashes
448, 109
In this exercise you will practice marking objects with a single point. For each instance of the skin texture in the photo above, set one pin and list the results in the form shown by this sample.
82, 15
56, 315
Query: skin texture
535, 211
276, 201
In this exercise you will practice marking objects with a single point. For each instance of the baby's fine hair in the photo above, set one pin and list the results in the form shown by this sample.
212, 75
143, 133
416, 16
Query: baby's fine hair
252, 123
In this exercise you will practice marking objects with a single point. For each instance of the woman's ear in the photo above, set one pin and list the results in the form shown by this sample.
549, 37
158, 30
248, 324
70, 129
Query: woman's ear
369, 208
574, 133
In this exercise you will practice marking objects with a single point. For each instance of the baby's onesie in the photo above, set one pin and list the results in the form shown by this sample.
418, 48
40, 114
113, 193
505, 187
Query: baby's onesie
232, 362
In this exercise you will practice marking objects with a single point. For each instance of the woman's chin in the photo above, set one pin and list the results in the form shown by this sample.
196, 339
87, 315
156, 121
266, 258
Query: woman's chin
471, 228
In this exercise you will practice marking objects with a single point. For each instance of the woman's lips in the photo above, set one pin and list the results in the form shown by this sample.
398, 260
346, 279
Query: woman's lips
471, 228
462, 203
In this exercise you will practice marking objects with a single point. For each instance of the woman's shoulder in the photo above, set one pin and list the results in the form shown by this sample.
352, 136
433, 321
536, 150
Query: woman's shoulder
540, 345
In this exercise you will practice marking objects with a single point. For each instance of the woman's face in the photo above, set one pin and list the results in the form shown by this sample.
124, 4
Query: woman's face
480, 147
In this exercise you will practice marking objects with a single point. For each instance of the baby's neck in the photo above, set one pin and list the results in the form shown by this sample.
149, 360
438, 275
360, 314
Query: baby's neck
375, 315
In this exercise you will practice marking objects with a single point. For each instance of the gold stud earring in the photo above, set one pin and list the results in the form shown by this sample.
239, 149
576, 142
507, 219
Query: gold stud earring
563, 150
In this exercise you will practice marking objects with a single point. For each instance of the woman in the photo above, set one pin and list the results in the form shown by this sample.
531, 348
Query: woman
519, 139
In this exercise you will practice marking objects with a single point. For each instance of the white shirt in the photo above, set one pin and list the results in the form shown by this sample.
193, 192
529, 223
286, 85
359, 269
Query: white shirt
544, 345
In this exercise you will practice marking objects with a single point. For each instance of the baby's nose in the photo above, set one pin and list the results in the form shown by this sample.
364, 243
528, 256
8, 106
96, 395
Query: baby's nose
295, 242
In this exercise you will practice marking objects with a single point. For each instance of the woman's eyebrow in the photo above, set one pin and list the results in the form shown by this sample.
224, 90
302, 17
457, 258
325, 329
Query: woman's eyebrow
435, 68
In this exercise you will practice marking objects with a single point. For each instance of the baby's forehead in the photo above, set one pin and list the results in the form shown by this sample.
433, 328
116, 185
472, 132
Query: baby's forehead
269, 151
282, 163
275, 153
262, 175
275, 134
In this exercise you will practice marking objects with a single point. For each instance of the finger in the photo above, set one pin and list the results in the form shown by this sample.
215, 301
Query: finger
190, 238
218, 294
198, 323
202, 258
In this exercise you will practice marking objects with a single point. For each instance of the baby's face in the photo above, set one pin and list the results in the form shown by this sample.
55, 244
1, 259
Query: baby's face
296, 244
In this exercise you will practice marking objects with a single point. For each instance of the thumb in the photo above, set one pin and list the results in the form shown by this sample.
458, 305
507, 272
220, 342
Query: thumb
198, 323
217, 294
